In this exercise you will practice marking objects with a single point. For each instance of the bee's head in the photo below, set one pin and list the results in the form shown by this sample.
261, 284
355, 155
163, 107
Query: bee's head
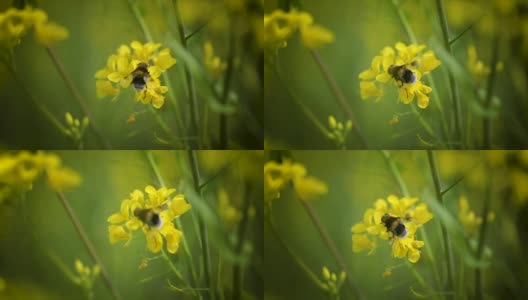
385, 218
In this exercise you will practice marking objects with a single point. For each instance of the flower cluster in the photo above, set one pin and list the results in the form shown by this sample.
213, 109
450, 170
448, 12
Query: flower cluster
119, 69
339, 131
215, 66
127, 220
86, 276
15, 23
477, 68
19, 171
227, 211
405, 69
76, 128
468, 218
333, 282
279, 26
365, 233
277, 176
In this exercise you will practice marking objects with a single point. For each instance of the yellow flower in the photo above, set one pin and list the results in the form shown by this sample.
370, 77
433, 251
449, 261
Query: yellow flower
468, 218
119, 69
332, 283
365, 233
160, 207
279, 26
277, 176
229, 213
15, 23
405, 69
339, 131
215, 66
477, 68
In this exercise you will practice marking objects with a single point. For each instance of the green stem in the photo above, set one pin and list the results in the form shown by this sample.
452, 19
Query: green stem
307, 112
459, 133
339, 96
489, 93
311, 275
77, 95
479, 293
193, 161
237, 269
330, 244
445, 236
225, 90
88, 244
193, 99
165, 127
161, 182
148, 36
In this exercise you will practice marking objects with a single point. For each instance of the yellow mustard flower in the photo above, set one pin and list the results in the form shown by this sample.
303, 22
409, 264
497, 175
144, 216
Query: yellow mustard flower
332, 283
140, 65
403, 65
215, 66
153, 215
278, 175
339, 131
19, 170
468, 218
15, 24
229, 213
412, 216
279, 26
477, 68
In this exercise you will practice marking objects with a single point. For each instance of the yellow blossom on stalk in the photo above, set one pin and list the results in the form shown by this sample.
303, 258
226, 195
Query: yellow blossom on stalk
279, 26
477, 68
215, 66
15, 23
366, 233
229, 213
278, 175
468, 218
404, 66
332, 283
339, 131
139, 65
153, 215
19, 170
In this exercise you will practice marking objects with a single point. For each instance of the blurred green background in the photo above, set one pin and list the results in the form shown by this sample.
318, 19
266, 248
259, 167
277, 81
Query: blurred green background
35, 229
356, 179
96, 30
362, 29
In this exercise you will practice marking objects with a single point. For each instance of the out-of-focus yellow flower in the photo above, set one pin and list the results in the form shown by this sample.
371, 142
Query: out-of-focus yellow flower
279, 26
229, 213
395, 119
332, 283
19, 170
15, 23
387, 273
404, 69
139, 212
215, 66
277, 176
85, 276
339, 131
413, 216
477, 68
141, 66
468, 218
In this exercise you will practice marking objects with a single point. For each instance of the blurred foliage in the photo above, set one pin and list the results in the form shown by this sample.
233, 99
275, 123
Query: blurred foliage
356, 179
362, 30
96, 30
38, 253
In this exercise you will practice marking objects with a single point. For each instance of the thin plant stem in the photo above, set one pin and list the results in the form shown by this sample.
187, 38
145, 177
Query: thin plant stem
479, 290
177, 273
330, 244
405, 192
193, 161
445, 236
339, 96
489, 93
459, 133
237, 269
307, 112
78, 97
88, 244
148, 36
164, 126
311, 275
156, 170
193, 98
225, 90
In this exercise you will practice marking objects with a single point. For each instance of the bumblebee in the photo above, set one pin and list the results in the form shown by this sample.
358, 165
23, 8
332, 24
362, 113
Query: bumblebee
150, 216
394, 225
403, 74
140, 76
